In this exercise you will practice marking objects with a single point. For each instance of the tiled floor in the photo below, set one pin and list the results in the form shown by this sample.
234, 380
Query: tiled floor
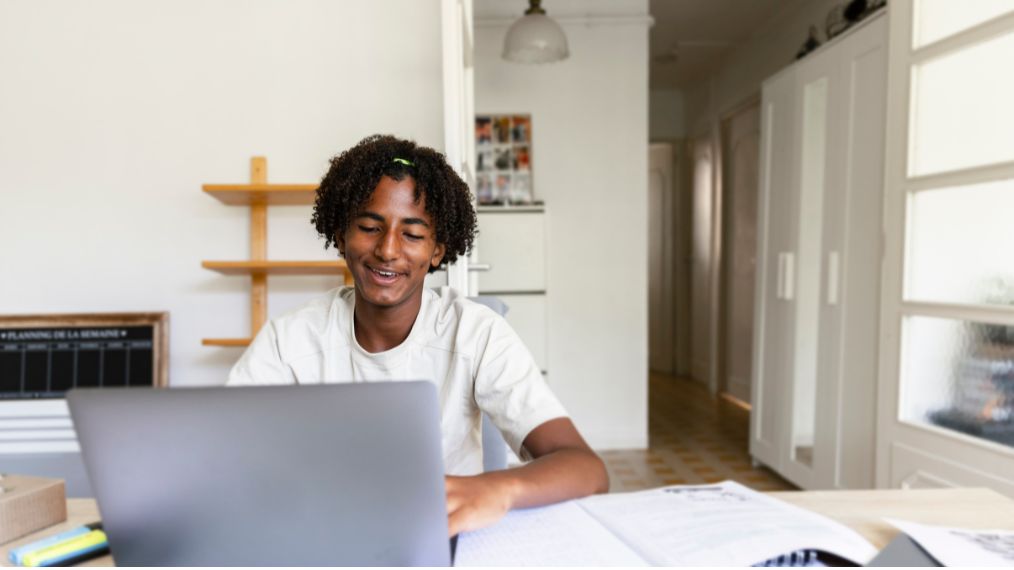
692, 438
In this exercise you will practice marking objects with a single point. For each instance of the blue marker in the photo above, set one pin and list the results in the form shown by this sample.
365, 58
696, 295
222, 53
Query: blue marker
17, 555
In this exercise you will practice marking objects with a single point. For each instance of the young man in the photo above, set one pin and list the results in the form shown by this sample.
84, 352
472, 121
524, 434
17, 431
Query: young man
396, 211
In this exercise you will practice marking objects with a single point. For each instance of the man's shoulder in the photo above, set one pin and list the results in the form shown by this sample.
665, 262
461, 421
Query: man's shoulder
452, 308
461, 324
317, 315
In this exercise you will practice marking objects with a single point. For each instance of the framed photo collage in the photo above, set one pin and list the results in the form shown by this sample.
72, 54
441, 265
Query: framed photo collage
503, 164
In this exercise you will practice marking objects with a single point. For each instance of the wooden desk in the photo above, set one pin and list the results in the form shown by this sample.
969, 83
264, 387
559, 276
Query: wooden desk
860, 510
863, 511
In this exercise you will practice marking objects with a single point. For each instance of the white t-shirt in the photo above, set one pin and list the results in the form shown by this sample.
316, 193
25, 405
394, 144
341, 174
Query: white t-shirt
476, 360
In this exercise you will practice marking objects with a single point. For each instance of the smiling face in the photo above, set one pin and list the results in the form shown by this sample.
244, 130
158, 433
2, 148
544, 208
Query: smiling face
390, 245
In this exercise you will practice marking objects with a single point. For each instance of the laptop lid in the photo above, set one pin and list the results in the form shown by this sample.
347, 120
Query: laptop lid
903, 551
337, 474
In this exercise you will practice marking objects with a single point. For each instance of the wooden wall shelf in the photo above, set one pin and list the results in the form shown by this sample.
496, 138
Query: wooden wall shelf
254, 267
258, 195
267, 194
226, 342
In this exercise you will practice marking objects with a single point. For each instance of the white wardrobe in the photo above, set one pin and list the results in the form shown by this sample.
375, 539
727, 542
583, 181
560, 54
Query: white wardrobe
819, 259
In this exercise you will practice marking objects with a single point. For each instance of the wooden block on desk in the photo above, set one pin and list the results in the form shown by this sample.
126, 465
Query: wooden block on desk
28, 504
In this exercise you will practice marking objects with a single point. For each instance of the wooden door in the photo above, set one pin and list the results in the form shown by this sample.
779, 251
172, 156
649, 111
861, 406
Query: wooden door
740, 166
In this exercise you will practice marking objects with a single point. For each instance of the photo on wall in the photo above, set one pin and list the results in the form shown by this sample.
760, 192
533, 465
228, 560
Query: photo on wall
484, 160
483, 130
484, 188
503, 161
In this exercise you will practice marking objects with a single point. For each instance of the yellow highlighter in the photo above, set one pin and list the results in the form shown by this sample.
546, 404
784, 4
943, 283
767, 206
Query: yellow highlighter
75, 550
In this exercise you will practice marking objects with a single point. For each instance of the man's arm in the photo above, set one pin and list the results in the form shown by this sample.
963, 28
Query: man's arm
564, 467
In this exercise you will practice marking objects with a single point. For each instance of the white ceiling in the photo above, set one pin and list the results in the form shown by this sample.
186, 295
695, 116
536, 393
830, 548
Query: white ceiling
691, 37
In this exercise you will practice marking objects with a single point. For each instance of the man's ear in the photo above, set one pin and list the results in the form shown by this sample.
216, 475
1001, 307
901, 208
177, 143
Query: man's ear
339, 242
438, 255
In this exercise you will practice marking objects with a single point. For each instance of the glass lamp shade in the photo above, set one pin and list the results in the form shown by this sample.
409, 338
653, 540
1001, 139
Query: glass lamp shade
535, 38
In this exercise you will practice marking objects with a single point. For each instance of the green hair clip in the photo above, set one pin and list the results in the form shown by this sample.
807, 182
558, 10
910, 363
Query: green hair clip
403, 161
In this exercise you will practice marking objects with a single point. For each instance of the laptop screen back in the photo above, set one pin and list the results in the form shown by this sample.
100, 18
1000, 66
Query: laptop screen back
339, 474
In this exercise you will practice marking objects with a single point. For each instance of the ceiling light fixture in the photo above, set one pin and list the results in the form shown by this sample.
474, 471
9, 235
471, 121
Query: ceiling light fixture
535, 38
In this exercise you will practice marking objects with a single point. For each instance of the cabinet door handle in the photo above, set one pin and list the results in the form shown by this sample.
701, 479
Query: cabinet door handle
780, 277
832, 278
480, 266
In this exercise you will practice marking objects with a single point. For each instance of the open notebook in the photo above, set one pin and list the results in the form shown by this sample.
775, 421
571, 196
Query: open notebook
725, 524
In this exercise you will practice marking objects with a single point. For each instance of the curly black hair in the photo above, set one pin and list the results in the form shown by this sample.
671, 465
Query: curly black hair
355, 173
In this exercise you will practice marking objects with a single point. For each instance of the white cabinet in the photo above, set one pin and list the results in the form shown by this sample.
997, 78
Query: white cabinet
512, 242
819, 248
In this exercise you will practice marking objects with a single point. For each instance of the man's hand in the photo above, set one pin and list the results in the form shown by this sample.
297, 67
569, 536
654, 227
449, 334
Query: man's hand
563, 468
479, 501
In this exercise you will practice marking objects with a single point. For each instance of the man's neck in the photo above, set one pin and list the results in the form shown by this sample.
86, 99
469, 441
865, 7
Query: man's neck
378, 329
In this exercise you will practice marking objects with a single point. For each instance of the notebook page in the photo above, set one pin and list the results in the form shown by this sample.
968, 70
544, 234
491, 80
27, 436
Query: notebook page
723, 524
557, 535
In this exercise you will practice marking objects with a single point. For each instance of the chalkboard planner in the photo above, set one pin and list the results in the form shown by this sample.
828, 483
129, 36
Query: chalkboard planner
43, 356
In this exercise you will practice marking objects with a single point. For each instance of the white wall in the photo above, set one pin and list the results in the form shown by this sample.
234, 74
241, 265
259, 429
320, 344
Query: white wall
114, 112
590, 165
771, 48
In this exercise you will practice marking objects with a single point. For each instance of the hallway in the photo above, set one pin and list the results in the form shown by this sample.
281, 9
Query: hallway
693, 438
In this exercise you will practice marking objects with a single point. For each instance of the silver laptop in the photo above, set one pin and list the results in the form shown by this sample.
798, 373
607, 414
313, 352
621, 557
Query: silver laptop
329, 475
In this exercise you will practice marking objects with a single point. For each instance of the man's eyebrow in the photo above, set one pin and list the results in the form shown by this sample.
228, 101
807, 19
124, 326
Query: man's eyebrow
371, 215
379, 218
418, 221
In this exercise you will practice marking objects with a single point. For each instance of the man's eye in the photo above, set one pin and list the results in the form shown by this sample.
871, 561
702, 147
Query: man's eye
413, 237
368, 229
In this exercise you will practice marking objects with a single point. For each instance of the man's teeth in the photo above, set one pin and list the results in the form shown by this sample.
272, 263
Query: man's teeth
384, 273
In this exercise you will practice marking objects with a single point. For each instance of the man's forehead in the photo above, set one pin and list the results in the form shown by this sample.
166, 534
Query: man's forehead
410, 219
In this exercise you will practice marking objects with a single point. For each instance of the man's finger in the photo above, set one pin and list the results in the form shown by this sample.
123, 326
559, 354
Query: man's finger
453, 502
453, 523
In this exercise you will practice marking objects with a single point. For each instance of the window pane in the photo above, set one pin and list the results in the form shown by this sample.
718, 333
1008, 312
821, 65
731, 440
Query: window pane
938, 19
960, 245
959, 375
962, 114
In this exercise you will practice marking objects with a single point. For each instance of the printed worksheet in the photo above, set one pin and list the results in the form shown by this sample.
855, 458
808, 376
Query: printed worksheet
961, 547
702, 525
724, 524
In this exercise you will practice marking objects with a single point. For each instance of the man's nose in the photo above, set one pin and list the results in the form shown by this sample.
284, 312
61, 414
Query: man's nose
387, 246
